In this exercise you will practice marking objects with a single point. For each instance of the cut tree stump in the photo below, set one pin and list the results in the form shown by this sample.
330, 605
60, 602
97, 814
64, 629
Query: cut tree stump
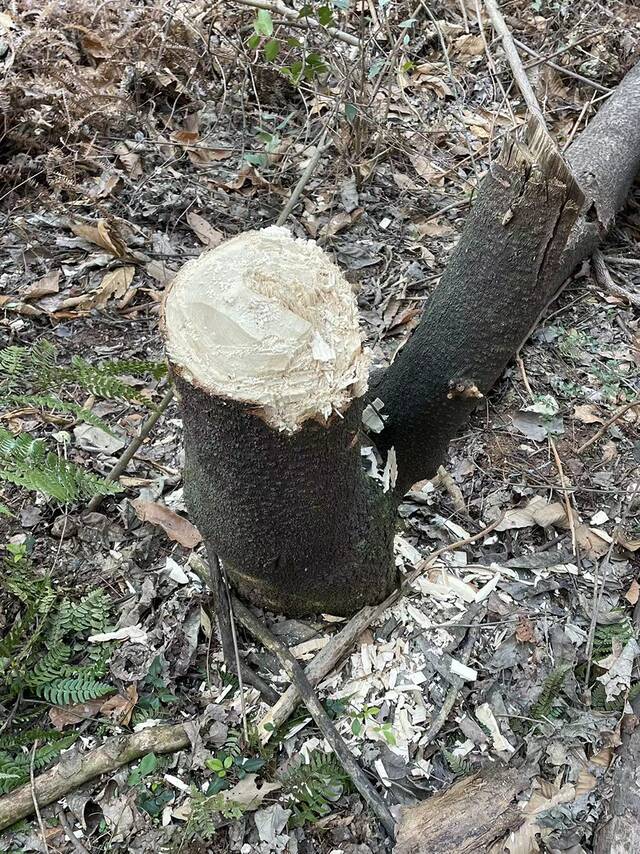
265, 351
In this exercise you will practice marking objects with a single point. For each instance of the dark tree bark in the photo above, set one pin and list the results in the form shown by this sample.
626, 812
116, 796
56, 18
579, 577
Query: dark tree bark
528, 230
297, 523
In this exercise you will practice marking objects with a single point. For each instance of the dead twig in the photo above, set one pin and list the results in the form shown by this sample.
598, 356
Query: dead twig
600, 433
603, 277
562, 70
65, 824
516, 65
128, 455
279, 8
34, 796
456, 683
297, 675
75, 769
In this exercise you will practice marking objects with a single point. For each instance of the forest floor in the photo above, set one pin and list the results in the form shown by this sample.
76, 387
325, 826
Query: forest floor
134, 136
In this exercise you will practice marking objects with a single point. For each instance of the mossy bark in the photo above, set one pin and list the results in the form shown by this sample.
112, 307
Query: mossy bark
299, 526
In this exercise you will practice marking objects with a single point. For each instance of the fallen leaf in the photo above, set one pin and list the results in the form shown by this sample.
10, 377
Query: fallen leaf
131, 161
248, 793
340, 221
120, 707
270, 823
47, 285
97, 441
102, 234
176, 527
135, 634
114, 285
204, 231
63, 716
587, 413
619, 666
526, 631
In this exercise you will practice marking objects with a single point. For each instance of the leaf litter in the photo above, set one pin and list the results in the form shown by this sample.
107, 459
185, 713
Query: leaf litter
94, 232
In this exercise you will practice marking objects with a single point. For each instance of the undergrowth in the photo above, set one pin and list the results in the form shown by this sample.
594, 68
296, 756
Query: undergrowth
44, 660
33, 378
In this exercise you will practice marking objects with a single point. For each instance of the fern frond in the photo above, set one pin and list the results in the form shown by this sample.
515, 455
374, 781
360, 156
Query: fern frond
15, 768
312, 787
80, 689
604, 637
56, 406
26, 462
551, 690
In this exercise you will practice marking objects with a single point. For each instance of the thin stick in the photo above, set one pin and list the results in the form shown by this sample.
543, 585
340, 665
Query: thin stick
279, 8
456, 683
75, 769
236, 651
600, 433
341, 643
516, 64
34, 797
316, 709
125, 459
304, 179
603, 277
210, 575
68, 831
566, 71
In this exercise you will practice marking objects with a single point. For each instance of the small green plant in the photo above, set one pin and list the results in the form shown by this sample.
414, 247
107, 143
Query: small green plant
312, 787
33, 377
545, 706
44, 655
360, 719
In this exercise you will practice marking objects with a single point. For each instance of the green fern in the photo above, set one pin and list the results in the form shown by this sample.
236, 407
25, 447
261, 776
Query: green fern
79, 689
313, 787
604, 636
458, 765
551, 690
26, 462
15, 767
32, 376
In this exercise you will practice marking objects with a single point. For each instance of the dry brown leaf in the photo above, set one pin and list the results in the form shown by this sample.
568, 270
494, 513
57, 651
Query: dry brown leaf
248, 794
425, 169
587, 413
176, 527
468, 45
526, 631
47, 285
114, 285
204, 231
94, 46
102, 234
433, 228
131, 161
633, 593
609, 452
63, 716
120, 707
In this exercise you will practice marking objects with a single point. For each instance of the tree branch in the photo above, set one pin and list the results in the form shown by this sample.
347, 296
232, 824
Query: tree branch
316, 709
75, 769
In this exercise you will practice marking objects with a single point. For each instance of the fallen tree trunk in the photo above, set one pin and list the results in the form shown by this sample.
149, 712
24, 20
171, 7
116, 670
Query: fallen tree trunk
262, 339
533, 222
